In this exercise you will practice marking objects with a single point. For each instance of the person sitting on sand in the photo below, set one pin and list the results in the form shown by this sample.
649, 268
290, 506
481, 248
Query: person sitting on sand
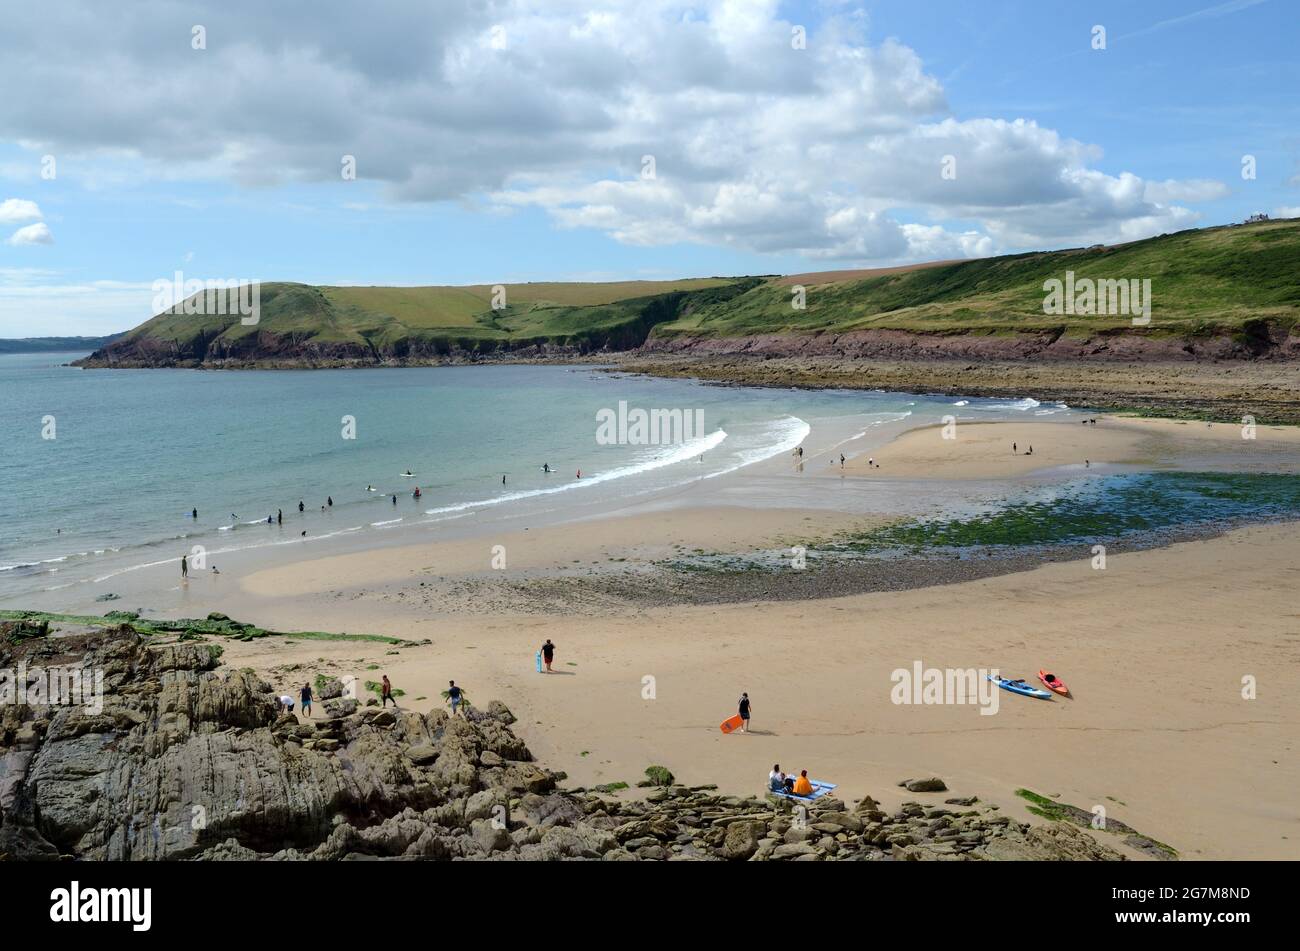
776, 780
803, 785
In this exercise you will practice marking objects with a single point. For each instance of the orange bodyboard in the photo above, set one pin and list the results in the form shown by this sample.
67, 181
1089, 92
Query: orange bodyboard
732, 723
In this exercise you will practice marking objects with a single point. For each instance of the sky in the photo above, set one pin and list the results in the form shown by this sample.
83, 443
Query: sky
523, 140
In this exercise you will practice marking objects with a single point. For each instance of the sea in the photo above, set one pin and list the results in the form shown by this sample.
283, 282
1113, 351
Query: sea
103, 471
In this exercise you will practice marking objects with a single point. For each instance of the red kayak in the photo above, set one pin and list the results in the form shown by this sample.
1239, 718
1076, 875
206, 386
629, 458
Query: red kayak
1053, 683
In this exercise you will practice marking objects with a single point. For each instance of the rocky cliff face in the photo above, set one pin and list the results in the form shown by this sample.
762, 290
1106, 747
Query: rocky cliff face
189, 759
1263, 341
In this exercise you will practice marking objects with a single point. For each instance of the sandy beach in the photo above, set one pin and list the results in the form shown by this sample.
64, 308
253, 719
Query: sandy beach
1155, 648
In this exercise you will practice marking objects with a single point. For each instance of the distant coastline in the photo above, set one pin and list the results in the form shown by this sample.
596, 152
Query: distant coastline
55, 344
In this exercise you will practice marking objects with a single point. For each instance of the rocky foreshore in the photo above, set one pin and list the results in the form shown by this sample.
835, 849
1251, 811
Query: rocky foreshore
1224, 389
181, 757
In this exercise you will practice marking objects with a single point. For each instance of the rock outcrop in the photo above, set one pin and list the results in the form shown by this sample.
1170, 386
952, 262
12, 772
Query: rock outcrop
186, 758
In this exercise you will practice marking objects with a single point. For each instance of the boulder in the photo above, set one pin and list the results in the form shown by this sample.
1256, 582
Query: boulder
932, 784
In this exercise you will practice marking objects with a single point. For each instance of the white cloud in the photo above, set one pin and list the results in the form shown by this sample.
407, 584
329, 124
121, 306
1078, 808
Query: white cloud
1192, 190
1287, 211
14, 210
833, 151
38, 233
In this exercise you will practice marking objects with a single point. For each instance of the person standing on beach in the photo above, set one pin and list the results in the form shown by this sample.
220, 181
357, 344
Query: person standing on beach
304, 695
185, 567
1013, 449
548, 654
454, 696
841, 460
744, 712
387, 692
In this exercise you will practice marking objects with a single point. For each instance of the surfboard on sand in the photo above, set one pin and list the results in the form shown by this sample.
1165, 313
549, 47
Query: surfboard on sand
732, 724
539, 662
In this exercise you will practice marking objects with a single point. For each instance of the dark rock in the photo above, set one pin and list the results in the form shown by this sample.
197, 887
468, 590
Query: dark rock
933, 784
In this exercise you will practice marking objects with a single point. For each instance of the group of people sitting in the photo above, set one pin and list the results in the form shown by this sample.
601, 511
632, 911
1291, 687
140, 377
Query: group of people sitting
779, 782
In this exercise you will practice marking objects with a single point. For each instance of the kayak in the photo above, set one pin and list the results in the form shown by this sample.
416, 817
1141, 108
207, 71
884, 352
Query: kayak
1054, 683
1016, 686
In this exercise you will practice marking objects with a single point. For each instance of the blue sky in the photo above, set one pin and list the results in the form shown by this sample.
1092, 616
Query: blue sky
489, 157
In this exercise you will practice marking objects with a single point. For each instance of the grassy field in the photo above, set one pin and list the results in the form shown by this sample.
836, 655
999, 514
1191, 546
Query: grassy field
386, 316
1202, 282
1238, 281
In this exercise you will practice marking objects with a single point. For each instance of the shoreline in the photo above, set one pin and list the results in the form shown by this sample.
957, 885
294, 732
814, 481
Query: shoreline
1190, 389
1194, 389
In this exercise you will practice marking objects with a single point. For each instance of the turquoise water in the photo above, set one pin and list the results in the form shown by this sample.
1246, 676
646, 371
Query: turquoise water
136, 450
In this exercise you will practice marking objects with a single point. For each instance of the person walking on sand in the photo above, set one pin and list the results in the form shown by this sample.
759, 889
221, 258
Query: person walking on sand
454, 696
185, 567
304, 697
548, 654
387, 692
744, 713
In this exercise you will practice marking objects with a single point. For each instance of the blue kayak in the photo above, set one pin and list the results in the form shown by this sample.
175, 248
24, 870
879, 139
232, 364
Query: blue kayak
1020, 687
